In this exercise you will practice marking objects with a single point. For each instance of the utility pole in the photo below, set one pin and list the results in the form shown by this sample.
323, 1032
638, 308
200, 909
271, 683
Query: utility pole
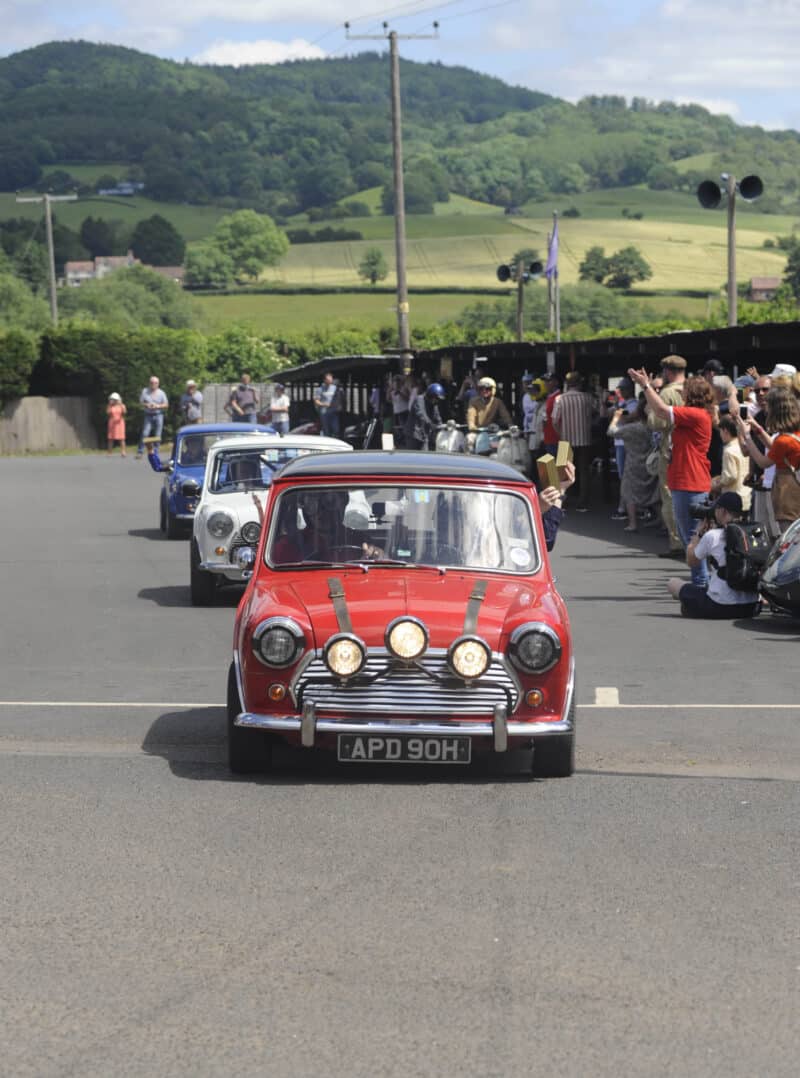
51, 257
403, 331
709, 195
520, 297
733, 292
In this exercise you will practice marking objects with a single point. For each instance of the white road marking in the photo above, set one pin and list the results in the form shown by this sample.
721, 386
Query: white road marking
601, 703
105, 703
690, 707
606, 697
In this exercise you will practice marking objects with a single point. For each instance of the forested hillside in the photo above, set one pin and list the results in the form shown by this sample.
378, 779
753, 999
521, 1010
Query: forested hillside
294, 136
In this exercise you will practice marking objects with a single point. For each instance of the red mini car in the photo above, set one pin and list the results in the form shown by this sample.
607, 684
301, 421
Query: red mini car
402, 609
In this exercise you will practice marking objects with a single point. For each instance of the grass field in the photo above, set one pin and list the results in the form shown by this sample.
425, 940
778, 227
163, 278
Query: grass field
464, 242
282, 314
193, 222
682, 255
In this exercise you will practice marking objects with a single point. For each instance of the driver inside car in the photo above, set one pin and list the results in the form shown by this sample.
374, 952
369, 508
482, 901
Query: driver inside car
309, 528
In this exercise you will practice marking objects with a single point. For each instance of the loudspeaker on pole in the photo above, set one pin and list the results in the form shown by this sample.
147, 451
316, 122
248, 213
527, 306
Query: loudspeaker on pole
709, 195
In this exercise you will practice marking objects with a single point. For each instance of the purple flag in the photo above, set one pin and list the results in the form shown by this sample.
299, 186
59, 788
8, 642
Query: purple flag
551, 269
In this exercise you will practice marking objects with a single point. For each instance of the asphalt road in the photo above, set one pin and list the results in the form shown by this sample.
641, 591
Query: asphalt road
160, 917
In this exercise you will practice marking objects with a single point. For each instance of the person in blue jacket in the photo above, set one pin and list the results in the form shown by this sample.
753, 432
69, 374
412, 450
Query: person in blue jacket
550, 501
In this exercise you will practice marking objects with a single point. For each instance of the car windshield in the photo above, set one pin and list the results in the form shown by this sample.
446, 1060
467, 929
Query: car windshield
440, 526
248, 469
193, 448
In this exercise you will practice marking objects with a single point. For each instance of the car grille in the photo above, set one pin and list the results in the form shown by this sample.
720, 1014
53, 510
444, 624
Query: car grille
403, 690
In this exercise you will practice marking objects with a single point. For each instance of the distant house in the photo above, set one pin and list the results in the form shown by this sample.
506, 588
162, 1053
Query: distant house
763, 289
124, 189
75, 273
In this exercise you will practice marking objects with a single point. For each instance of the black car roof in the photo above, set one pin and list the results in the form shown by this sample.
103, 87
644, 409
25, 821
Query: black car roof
399, 463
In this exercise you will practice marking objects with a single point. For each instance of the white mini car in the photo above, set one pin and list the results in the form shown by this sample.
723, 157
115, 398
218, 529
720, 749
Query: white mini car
227, 521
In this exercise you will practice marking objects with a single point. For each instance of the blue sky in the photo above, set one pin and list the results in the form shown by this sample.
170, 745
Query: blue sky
735, 59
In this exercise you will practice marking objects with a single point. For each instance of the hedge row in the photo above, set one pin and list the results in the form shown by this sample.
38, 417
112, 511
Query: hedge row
93, 362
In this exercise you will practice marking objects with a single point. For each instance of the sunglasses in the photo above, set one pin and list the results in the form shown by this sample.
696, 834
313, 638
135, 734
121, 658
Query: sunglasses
763, 389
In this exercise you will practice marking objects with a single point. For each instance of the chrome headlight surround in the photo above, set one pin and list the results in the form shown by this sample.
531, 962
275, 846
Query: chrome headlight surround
220, 524
345, 655
244, 558
250, 532
277, 642
406, 639
548, 641
464, 660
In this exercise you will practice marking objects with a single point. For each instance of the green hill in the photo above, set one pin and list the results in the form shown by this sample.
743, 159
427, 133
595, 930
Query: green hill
287, 137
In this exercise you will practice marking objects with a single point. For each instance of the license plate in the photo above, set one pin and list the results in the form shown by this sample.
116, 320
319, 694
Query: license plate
366, 748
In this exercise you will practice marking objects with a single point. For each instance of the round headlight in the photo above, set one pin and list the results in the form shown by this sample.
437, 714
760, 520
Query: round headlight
406, 638
535, 648
220, 525
469, 657
277, 642
345, 655
251, 531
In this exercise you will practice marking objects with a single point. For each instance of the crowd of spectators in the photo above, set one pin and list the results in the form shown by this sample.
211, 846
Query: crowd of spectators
678, 441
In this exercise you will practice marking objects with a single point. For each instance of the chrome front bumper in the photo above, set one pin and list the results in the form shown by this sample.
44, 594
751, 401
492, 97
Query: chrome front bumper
309, 726
500, 729
225, 568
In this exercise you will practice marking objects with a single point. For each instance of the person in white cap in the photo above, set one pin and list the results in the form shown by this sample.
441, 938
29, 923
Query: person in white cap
191, 403
279, 408
785, 370
116, 412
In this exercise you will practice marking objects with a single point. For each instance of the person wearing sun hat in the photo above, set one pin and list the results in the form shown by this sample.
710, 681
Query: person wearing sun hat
279, 408
719, 600
116, 412
191, 403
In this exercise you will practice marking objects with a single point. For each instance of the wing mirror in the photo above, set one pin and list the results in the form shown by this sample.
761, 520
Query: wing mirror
191, 489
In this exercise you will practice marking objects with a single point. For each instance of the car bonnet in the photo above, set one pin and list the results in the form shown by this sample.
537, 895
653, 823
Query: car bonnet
440, 600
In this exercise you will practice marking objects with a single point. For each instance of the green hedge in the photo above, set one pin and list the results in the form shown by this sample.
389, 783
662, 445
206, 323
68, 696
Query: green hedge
18, 355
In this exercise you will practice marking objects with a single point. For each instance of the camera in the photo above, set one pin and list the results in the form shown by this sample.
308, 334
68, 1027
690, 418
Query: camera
703, 511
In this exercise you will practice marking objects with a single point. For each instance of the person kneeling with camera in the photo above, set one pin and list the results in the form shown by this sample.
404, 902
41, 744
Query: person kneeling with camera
719, 600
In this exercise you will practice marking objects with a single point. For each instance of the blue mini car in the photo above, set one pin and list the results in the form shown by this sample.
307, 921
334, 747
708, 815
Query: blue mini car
188, 463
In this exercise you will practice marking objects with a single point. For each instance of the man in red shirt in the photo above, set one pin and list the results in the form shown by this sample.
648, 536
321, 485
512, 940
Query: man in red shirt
550, 434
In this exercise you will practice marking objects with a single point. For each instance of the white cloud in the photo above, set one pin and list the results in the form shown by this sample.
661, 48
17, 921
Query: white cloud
238, 53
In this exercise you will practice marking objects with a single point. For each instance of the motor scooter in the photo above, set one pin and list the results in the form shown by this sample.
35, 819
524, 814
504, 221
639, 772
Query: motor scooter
487, 439
512, 449
450, 438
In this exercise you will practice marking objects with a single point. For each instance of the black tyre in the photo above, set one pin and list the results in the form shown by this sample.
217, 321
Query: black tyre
202, 584
175, 528
162, 513
249, 751
554, 757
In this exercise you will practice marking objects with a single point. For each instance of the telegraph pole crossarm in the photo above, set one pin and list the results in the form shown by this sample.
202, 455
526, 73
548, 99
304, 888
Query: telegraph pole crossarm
51, 256
393, 37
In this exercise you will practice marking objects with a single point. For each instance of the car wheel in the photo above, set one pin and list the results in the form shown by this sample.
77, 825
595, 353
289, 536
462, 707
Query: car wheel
202, 584
174, 528
249, 751
162, 513
554, 757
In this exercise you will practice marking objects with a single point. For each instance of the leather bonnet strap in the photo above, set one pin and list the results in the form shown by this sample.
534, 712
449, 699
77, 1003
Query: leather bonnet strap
473, 606
336, 595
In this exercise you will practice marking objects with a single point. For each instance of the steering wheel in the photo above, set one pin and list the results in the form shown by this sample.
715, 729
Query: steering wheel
344, 552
